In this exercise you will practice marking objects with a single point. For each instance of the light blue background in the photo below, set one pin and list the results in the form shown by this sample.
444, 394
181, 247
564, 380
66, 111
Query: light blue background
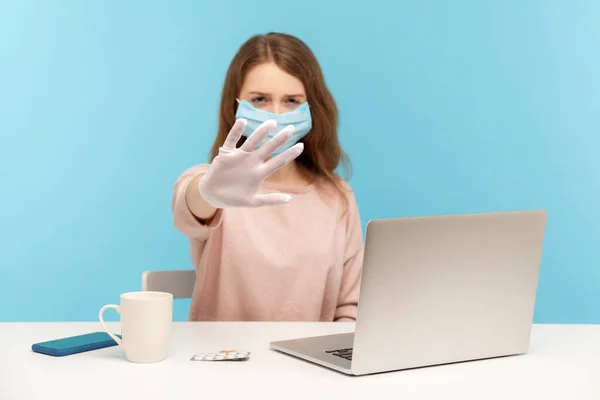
446, 107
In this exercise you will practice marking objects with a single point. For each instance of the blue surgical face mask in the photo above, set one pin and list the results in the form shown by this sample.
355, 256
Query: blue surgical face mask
300, 118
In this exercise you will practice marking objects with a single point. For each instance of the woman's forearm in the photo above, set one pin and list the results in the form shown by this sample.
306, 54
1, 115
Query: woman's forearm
196, 203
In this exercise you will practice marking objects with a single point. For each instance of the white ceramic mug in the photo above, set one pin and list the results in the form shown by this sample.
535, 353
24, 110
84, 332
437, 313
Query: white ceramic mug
146, 319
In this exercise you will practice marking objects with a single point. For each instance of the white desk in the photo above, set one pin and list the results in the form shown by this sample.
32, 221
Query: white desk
563, 363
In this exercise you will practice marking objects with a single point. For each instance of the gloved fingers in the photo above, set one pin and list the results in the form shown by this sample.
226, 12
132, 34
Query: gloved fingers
235, 134
274, 143
281, 160
271, 199
259, 134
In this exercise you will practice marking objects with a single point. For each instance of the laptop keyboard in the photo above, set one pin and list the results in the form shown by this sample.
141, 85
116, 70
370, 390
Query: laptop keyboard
344, 353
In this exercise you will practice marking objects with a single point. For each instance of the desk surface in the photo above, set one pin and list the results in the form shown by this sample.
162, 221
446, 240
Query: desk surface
563, 363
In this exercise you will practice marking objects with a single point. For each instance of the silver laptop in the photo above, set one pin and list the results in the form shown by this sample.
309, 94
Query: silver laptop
438, 290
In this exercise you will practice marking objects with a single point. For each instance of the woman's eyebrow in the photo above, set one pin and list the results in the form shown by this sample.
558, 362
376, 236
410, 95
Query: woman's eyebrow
255, 92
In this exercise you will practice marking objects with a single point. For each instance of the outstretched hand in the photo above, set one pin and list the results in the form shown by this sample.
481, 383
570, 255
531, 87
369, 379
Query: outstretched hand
236, 174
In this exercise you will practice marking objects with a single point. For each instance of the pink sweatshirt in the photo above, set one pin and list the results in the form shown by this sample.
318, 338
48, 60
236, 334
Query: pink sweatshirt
296, 262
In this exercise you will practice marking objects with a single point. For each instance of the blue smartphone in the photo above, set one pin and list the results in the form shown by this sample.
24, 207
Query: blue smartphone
75, 344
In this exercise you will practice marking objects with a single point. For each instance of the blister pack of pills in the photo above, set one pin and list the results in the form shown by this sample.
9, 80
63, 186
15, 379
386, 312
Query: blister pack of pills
223, 355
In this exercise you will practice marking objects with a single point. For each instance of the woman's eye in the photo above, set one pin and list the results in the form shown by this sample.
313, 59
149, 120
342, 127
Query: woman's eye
258, 99
294, 101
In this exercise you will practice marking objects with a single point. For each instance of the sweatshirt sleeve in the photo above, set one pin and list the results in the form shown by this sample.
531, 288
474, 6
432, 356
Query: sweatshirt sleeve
183, 218
353, 259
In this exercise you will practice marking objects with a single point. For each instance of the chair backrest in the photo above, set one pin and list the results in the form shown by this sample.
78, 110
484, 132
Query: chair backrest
179, 283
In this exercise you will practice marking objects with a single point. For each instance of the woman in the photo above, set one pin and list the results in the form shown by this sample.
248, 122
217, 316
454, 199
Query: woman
275, 234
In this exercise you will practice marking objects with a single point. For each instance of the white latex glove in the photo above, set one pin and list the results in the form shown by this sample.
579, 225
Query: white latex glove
235, 175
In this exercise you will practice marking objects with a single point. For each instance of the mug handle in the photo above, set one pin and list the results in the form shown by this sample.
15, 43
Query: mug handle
112, 335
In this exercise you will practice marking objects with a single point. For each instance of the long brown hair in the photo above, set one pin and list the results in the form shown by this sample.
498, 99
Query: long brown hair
322, 151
